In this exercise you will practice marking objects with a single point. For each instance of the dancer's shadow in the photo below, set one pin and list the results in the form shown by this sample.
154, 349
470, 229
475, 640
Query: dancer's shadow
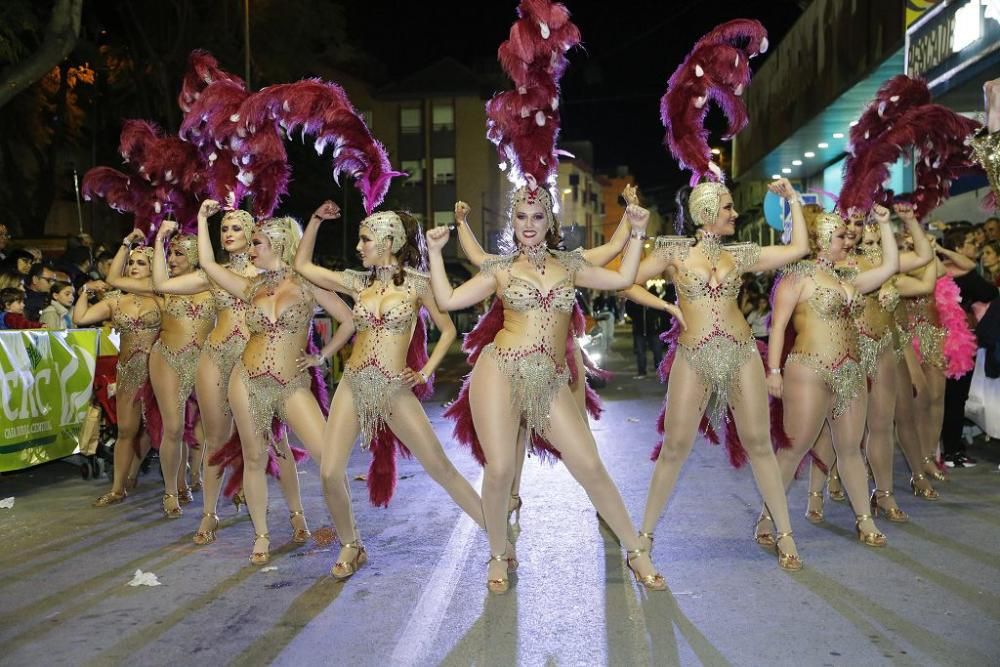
492, 639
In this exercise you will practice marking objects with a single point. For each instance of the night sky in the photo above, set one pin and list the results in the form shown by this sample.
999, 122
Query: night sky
612, 89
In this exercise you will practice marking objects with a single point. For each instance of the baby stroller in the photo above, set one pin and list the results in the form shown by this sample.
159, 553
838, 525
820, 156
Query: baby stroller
100, 429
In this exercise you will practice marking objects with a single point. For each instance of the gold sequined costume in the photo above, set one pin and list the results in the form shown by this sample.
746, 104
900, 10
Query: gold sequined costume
876, 323
537, 371
718, 340
269, 369
138, 334
187, 321
986, 149
225, 344
826, 340
924, 325
381, 344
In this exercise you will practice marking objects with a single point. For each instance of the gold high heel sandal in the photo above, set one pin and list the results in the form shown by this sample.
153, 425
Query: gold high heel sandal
762, 538
501, 585
343, 569
111, 498
647, 536
928, 493
815, 516
786, 561
261, 557
515, 508
239, 499
299, 535
935, 474
651, 582
172, 512
835, 489
203, 537
873, 539
893, 514
184, 495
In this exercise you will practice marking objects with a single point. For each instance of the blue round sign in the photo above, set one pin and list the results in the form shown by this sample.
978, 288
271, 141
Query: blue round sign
774, 211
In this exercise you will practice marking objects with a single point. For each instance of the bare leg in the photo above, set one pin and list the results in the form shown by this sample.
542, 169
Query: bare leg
848, 429
930, 412
822, 450
196, 455
218, 427
686, 399
409, 422
129, 417
166, 384
145, 444
339, 435
496, 425
288, 482
878, 445
254, 464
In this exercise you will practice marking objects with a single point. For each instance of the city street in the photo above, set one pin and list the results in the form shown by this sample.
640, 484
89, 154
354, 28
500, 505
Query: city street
931, 598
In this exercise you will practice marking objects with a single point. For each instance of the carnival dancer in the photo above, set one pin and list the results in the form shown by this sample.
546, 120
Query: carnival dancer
387, 371
220, 353
823, 377
136, 317
878, 360
269, 381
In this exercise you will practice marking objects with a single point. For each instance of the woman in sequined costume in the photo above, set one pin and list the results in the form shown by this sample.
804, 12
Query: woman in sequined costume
598, 256
270, 379
527, 361
717, 363
875, 327
374, 399
186, 322
824, 380
137, 319
221, 351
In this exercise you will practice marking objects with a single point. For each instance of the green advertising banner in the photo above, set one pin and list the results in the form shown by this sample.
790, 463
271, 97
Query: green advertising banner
46, 382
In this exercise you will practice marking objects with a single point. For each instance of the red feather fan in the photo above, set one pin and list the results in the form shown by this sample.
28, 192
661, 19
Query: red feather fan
203, 70
718, 70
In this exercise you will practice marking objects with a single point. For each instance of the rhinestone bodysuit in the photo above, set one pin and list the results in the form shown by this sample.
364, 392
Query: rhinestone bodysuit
187, 321
875, 322
226, 342
718, 340
384, 317
138, 334
268, 368
531, 348
922, 317
986, 149
826, 339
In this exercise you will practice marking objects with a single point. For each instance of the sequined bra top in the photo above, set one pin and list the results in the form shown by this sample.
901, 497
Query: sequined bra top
139, 332
693, 285
398, 318
292, 319
824, 323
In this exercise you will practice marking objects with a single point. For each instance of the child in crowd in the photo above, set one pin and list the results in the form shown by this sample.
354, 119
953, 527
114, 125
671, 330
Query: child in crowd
56, 315
12, 315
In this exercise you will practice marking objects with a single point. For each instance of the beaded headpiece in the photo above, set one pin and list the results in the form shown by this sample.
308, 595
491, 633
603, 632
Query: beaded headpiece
283, 234
145, 250
824, 227
704, 202
540, 196
385, 225
188, 246
241, 217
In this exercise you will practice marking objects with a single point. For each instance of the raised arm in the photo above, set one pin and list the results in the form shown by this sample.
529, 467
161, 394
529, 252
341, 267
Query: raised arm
116, 277
872, 279
774, 256
189, 283
603, 254
325, 278
922, 253
233, 283
596, 277
468, 293
786, 297
85, 315
470, 244
958, 260
908, 286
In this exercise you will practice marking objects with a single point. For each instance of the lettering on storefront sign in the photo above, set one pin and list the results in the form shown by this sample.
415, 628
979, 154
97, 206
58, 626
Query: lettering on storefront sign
931, 49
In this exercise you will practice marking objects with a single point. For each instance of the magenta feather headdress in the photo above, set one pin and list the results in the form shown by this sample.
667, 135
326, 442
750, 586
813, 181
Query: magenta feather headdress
898, 119
319, 109
203, 70
524, 122
123, 193
718, 70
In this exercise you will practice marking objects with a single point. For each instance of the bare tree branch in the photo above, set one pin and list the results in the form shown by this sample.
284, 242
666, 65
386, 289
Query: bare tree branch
60, 38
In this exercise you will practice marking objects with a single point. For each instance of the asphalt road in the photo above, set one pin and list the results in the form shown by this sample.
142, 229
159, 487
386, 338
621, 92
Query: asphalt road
932, 597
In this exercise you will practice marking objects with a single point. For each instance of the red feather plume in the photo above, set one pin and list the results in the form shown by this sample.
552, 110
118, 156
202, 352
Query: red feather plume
203, 71
718, 70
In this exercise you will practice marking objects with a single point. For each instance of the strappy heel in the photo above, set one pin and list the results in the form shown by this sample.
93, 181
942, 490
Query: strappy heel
872, 539
239, 499
299, 535
172, 512
936, 474
815, 516
111, 498
647, 536
344, 569
763, 538
786, 561
261, 557
835, 489
893, 514
500, 585
203, 537
928, 493
515, 508
651, 582
184, 496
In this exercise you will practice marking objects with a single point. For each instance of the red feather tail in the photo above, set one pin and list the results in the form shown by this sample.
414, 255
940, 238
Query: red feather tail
416, 356
486, 329
151, 415
318, 381
382, 475
464, 430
